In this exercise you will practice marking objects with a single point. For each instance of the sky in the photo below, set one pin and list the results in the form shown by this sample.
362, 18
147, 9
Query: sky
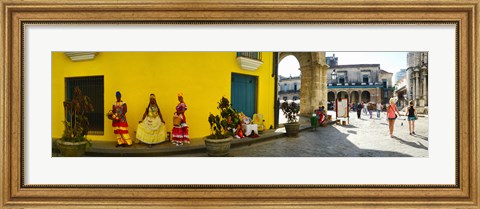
389, 61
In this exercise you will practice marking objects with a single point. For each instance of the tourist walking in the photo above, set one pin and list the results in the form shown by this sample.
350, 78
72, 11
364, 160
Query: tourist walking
152, 129
359, 110
379, 108
364, 106
370, 109
119, 124
180, 128
411, 114
392, 112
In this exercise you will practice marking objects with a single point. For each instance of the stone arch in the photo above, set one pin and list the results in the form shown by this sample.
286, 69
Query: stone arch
354, 97
331, 96
342, 95
366, 96
313, 77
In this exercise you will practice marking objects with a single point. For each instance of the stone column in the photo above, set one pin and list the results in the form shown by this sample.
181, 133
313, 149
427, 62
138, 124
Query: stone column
324, 85
316, 88
425, 86
417, 88
379, 95
306, 88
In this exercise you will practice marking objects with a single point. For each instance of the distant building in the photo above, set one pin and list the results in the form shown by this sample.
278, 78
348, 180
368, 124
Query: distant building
417, 80
401, 93
400, 75
332, 61
289, 88
360, 83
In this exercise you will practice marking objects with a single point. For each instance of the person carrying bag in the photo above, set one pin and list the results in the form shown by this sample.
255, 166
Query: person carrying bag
391, 116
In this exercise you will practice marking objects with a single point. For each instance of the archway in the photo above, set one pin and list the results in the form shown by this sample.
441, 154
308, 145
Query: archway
365, 96
354, 97
330, 99
288, 83
313, 84
342, 95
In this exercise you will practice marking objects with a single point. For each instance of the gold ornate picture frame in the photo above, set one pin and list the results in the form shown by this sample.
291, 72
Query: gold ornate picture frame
464, 194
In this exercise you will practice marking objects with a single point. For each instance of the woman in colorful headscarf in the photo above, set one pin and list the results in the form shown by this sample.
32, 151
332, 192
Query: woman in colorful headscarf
151, 129
119, 124
180, 128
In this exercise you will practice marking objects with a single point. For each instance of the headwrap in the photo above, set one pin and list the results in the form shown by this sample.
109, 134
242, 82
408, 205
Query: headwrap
152, 96
180, 94
118, 94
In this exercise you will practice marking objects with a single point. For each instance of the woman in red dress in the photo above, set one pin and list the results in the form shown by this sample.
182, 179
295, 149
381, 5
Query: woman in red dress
180, 131
119, 124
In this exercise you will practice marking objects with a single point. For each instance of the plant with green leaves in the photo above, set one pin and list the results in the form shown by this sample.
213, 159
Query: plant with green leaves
290, 111
222, 125
76, 121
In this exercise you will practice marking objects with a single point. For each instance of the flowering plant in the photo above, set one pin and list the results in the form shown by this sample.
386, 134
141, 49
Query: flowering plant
223, 124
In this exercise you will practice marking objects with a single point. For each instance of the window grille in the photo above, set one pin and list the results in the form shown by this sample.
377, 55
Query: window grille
92, 87
251, 55
365, 79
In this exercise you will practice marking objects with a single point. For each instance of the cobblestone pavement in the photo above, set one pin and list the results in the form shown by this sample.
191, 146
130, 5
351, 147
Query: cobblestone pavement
363, 137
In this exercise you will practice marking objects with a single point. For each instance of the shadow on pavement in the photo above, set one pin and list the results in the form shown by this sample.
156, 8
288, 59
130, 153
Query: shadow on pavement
377, 153
421, 137
412, 144
352, 132
325, 142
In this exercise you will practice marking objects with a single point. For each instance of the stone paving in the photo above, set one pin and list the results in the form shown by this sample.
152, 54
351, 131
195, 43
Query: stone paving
363, 137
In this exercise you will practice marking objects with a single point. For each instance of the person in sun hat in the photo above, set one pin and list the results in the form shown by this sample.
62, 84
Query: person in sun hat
120, 124
180, 129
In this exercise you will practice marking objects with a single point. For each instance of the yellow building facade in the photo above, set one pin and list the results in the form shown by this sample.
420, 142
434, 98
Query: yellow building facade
202, 77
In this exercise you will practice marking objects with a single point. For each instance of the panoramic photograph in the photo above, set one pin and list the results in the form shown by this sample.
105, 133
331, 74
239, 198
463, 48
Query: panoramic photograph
240, 104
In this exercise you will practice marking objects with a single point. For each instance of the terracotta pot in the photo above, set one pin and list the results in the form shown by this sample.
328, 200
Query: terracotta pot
292, 129
218, 147
72, 149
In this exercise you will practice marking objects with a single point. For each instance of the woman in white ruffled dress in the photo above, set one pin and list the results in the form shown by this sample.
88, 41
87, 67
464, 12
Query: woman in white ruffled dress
151, 129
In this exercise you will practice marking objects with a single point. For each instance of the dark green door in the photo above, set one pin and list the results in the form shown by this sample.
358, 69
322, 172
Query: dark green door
244, 94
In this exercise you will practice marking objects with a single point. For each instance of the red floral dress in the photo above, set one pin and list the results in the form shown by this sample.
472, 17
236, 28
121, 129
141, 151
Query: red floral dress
180, 132
120, 125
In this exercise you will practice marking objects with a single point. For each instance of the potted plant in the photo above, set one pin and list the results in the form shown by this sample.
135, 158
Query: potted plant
290, 111
74, 142
221, 126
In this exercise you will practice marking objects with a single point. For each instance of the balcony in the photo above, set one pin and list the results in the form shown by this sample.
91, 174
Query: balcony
249, 60
289, 91
81, 56
354, 85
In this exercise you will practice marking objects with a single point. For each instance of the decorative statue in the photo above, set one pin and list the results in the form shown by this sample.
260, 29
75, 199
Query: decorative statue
119, 124
151, 129
180, 127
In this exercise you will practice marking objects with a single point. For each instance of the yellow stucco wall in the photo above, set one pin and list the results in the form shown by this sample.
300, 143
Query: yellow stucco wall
203, 77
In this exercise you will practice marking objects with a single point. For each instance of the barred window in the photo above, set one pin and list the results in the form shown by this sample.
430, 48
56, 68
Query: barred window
251, 55
365, 78
92, 87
